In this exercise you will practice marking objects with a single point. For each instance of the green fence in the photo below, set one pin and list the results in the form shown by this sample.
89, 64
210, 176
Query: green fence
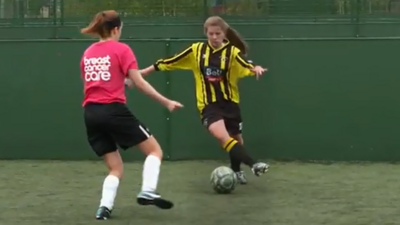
248, 30
160, 19
67, 12
322, 99
330, 94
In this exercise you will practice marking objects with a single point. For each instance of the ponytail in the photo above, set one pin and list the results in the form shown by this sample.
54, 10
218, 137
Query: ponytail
95, 27
236, 40
102, 24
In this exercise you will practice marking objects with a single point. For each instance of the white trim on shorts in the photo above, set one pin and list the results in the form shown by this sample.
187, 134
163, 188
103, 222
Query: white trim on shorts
145, 132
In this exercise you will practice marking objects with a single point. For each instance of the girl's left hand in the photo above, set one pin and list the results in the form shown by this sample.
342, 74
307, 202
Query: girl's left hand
258, 70
129, 83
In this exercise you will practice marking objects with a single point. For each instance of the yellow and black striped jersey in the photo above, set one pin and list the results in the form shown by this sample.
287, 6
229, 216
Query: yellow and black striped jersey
216, 71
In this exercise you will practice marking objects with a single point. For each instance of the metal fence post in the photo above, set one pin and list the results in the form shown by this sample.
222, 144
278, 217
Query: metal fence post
62, 12
168, 127
19, 11
205, 9
54, 11
55, 5
357, 11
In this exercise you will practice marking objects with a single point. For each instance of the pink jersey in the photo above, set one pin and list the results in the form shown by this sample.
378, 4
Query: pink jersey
104, 67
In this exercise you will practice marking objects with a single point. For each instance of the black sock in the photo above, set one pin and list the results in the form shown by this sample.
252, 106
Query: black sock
237, 152
235, 163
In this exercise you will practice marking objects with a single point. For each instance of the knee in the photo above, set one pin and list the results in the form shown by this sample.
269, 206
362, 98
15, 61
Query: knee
151, 147
115, 164
221, 137
117, 170
239, 139
219, 131
158, 153
155, 148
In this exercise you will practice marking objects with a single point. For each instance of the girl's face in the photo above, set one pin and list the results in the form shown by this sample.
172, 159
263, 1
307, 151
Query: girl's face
215, 36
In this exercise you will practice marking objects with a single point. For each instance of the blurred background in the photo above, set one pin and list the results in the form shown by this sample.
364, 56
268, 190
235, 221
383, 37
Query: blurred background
65, 12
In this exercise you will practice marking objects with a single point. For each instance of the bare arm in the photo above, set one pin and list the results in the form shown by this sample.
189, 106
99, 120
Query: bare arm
147, 70
145, 87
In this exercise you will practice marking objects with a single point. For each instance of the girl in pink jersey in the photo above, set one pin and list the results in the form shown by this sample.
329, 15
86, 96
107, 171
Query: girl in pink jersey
105, 66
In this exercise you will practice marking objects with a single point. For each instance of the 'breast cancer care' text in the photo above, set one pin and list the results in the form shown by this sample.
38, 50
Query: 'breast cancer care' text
97, 69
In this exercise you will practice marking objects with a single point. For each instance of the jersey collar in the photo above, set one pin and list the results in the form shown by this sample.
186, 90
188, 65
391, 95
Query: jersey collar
226, 43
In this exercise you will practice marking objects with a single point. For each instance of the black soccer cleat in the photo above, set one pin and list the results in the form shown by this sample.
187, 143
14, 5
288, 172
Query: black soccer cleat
152, 198
103, 213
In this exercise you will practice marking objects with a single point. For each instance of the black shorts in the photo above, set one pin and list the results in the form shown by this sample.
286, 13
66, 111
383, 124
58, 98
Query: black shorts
111, 125
227, 111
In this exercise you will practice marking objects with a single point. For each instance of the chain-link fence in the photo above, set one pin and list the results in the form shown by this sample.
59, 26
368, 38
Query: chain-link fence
167, 11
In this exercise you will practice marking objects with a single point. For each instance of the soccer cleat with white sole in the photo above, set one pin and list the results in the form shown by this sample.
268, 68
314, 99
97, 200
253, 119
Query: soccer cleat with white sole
241, 177
260, 168
103, 213
152, 198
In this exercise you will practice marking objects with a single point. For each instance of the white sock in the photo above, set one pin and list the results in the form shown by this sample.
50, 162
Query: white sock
110, 187
151, 170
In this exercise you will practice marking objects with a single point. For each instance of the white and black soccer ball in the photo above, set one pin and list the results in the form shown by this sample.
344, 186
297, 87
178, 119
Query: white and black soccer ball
223, 180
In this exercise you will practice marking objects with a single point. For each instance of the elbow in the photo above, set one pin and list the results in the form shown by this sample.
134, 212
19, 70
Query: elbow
140, 83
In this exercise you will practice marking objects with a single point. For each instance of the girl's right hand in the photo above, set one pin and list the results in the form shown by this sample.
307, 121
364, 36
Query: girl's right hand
173, 105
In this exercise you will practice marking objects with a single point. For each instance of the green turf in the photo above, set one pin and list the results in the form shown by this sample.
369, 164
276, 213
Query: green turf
61, 193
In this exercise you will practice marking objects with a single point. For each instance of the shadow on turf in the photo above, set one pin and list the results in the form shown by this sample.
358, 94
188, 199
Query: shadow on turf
145, 214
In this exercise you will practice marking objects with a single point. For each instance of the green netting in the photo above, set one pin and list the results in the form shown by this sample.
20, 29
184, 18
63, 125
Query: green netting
167, 11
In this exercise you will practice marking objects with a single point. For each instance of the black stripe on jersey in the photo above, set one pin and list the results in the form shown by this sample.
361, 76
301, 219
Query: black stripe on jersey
228, 58
217, 59
207, 98
243, 61
178, 57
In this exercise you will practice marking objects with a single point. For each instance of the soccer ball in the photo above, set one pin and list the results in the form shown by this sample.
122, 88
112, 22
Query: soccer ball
223, 180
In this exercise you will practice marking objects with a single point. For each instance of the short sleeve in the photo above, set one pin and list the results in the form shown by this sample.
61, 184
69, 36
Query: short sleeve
128, 60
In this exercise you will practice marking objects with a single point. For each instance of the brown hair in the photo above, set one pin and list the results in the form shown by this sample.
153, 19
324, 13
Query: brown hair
102, 24
231, 34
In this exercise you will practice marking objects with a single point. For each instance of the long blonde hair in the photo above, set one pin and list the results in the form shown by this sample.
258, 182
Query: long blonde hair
231, 34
